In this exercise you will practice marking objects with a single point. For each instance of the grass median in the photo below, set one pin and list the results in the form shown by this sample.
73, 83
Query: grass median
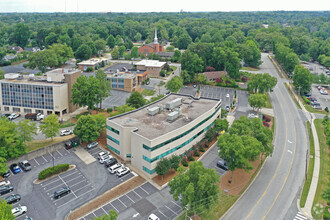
37, 144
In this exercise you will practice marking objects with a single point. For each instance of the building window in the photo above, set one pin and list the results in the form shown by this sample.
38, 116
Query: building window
113, 139
178, 147
148, 171
113, 149
113, 130
181, 135
128, 155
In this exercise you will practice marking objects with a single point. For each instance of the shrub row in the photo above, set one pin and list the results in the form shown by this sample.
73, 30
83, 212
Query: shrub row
53, 170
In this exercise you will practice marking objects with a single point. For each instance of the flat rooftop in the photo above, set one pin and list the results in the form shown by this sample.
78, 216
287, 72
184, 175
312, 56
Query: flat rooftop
150, 63
64, 71
155, 126
92, 61
122, 75
36, 80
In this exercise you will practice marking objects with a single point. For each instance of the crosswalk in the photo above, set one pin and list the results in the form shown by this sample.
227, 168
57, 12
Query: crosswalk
300, 216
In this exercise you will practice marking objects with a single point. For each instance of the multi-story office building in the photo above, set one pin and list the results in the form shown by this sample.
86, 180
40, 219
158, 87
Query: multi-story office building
127, 81
31, 94
169, 126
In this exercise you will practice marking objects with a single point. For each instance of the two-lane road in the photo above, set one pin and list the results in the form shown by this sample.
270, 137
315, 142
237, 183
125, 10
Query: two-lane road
276, 187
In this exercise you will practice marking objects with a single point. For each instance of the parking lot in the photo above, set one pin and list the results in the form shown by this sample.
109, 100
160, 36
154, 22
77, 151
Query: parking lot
323, 99
139, 202
117, 98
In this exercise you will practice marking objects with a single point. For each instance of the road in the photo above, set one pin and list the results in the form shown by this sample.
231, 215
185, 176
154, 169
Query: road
274, 192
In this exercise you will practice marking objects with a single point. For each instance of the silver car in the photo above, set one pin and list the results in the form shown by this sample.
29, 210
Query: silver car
92, 145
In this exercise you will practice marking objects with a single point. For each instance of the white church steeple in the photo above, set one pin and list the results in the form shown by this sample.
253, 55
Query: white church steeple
156, 39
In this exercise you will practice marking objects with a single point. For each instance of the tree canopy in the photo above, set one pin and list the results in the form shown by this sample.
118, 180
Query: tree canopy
257, 101
261, 83
87, 128
50, 126
174, 84
302, 79
136, 100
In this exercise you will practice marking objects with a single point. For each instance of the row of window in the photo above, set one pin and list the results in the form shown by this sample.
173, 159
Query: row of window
113, 130
181, 135
149, 171
178, 147
113, 139
113, 149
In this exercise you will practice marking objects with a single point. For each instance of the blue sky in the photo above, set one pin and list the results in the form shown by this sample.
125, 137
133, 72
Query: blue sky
158, 6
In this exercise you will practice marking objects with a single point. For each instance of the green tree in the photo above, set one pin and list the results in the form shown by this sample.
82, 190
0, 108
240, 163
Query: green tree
135, 52
51, 39
64, 39
192, 63
251, 53
5, 211
2, 74
63, 52
121, 51
201, 78
84, 52
51, 126
100, 44
105, 87
27, 129
86, 92
42, 60
261, 83
175, 162
302, 79
174, 84
194, 185
115, 53
291, 60
232, 63
101, 121
21, 34
163, 167
124, 108
183, 41
136, 100
87, 128
3, 166
111, 216
210, 134
111, 41
221, 125
257, 101
177, 56
185, 76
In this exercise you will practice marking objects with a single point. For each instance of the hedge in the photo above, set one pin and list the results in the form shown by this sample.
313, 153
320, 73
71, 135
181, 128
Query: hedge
53, 170
306, 100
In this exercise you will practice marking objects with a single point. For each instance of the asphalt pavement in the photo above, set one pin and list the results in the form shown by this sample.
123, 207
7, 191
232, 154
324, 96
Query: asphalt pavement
276, 187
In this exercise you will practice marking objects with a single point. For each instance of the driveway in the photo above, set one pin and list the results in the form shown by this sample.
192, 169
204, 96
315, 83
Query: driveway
323, 99
116, 99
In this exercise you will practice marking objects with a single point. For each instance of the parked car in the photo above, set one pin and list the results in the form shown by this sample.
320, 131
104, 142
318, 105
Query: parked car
317, 106
6, 115
72, 143
13, 116
19, 211
320, 88
15, 168
5, 183
114, 168
312, 99
102, 154
194, 85
227, 108
6, 174
92, 145
61, 192
25, 165
222, 164
104, 158
28, 218
110, 162
153, 217
251, 115
227, 96
308, 95
13, 198
35, 116
122, 171
323, 92
66, 132
6, 189
315, 103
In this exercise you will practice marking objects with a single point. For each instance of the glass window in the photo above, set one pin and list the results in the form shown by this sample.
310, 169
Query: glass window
113, 149
113, 130
148, 171
113, 139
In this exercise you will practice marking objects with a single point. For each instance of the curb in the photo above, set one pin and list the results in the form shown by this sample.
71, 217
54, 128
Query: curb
51, 177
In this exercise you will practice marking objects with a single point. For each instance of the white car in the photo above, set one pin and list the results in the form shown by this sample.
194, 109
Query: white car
13, 116
153, 217
20, 210
122, 171
5, 183
66, 132
251, 115
323, 92
227, 96
104, 158
102, 154
114, 168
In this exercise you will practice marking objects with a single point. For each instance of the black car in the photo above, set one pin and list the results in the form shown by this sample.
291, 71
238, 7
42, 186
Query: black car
13, 198
5, 115
5, 175
72, 143
15, 168
222, 164
61, 192
6, 189
110, 162
25, 165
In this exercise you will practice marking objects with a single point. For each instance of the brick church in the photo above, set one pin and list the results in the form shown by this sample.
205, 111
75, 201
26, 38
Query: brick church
153, 47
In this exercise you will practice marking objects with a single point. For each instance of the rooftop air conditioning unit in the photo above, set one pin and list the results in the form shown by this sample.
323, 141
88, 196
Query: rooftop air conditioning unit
174, 103
153, 111
172, 116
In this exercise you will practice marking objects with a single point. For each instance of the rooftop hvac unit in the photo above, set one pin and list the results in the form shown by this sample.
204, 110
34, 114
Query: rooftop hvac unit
172, 116
153, 111
12, 76
174, 103
161, 107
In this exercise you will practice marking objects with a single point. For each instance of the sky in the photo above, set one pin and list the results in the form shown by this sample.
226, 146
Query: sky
160, 6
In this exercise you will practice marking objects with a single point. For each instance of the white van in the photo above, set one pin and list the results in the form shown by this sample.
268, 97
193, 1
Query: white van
114, 168
153, 217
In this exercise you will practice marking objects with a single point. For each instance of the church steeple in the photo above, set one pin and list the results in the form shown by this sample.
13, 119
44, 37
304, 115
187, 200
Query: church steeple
156, 39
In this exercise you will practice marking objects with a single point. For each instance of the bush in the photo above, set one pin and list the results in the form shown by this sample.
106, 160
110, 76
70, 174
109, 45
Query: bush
196, 153
244, 78
184, 161
266, 118
326, 109
53, 170
109, 110
89, 69
306, 100
326, 212
266, 124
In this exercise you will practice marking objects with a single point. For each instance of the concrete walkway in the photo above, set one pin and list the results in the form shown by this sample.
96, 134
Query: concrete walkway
307, 210
84, 155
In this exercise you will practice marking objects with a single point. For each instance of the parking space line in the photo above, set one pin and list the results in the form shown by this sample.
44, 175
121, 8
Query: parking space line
114, 207
58, 186
122, 202
176, 204
66, 150
94, 214
68, 186
144, 190
59, 153
129, 198
170, 209
104, 210
82, 188
36, 161
75, 178
77, 183
86, 192
49, 183
137, 194
70, 174
44, 158
162, 213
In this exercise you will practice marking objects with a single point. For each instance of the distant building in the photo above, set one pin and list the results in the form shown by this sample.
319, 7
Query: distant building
9, 57
153, 66
169, 126
91, 63
31, 94
18, 49
153, 47
32, 49
214, 75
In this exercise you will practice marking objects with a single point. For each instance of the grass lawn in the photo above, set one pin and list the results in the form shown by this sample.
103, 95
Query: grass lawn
268, 103
35, 145
310, 169
67, 123
148, 92
249, 68
324, 166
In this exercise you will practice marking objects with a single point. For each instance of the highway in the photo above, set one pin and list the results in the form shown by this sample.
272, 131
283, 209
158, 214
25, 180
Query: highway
273, 193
